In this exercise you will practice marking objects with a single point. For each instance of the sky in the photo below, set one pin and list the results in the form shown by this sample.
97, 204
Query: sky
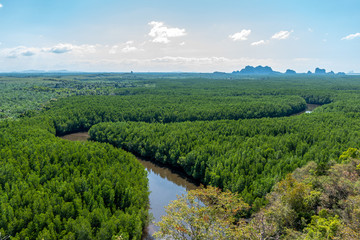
179, 36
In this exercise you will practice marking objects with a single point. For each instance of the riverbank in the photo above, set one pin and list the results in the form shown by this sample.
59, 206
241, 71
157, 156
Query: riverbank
309, 109
164, 185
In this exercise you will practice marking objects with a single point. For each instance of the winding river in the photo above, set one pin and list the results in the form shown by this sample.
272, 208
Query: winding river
309, 108
164, 185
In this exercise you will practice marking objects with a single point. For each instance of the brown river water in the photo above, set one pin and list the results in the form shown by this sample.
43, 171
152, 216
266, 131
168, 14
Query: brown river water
309, 109
164, 185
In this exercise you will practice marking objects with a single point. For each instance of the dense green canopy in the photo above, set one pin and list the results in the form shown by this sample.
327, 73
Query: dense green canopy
232, 133
55, 189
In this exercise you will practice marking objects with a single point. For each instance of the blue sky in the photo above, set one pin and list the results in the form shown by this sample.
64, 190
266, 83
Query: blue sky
197, 35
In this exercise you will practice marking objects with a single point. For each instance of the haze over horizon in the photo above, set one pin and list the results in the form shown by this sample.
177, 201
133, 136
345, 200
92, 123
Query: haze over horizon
186, 36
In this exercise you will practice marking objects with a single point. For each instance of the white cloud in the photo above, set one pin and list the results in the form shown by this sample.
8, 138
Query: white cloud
282, 35
125, 48
61, 48
128, 49
67, 47
28, 53
162, 34
261, 42
19, 51
1, 5
351, 36
240, 35
182, 43
85, 48
113, 49
57, 49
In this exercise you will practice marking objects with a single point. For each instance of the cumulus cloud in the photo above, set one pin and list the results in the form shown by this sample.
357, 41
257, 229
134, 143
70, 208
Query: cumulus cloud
124, 47
240, 36
67, 47
282, 35
28, 53
57, 49
261, 42
61, 48
19, 51
128, 49
162, 34
351, 36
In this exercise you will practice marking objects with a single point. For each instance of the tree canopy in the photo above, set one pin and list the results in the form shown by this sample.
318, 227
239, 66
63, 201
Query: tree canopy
305, 205
233, 132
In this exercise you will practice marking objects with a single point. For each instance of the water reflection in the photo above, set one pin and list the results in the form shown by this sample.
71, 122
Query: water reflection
164, 185
167, 174
309, 108
81, 136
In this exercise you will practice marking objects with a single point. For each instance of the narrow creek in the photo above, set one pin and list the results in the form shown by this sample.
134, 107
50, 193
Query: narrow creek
164, 185
309, 108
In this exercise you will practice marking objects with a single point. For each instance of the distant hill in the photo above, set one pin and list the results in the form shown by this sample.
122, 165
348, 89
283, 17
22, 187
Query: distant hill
45, 71
289, 71
320, 71
222, 73
250, 70
266, 70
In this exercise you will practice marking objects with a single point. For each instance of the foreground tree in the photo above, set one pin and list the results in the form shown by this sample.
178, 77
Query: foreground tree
308, 204
206, 213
